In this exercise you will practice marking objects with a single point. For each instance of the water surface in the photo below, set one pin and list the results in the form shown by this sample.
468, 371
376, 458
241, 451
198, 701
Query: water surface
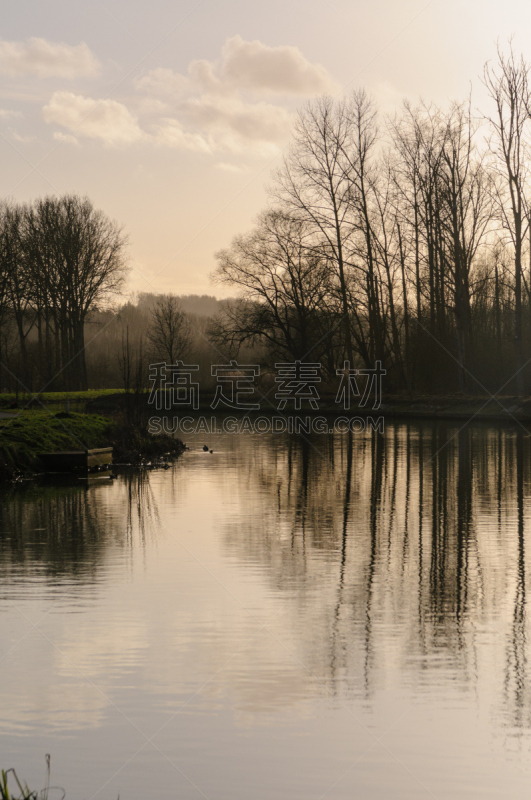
329, 616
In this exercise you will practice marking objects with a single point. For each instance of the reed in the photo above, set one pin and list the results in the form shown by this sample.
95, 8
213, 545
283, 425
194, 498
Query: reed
23, 792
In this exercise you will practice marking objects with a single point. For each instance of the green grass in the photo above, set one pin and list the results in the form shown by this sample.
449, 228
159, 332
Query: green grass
56, 397
34, 432
55, 401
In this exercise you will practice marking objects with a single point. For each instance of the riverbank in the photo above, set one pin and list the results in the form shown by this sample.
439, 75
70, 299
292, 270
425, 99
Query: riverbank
455, 406
55, 401
458, 407
25, 434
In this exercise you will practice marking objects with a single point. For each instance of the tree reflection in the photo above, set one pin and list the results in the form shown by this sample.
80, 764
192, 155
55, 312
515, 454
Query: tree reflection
65, 532
394, 553
399, 548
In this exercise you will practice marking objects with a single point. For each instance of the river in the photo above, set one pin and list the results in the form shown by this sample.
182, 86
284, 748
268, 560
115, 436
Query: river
328, 616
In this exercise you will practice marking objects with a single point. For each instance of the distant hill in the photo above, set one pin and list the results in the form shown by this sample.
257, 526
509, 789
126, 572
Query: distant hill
203, 305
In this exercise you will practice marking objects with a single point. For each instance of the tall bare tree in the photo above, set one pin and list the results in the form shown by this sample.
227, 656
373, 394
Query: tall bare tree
508, 86
287, 300
314, 185
78, 255
169, 330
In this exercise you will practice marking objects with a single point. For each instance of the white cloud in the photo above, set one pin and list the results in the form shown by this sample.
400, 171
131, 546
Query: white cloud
280, 70
107, 120
202, 74
225, 167
252, 66
215, 125
151, 106
46, 59
221, 134
23, 139
170, 133
218, 106
236, 124
7, 113
161, 81
65, 137
206, 111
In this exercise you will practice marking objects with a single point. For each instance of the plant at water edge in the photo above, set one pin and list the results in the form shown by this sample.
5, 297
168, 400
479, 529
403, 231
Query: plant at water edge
25, 791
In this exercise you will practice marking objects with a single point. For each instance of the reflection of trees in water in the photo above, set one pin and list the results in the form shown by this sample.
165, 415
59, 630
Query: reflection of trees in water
516, 685
55, 529
396, 549
142, 508
66, 531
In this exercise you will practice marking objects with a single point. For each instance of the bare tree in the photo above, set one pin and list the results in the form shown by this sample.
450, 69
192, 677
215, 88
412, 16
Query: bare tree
314, 185
169, 330
287, 298
77, 254
465, 219
9, 250
508, 86
20, 281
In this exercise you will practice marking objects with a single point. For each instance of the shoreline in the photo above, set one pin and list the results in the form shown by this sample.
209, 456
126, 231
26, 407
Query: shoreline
458, 407
27, 434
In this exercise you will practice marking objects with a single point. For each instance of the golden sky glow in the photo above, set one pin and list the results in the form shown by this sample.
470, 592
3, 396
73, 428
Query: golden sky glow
171, 115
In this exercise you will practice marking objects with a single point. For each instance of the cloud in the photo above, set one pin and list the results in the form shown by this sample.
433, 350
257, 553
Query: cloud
161, 81
235, 128
235, 124
225, 167
151, 106
216, 125
280, 70
22, 138
217, 107
202, 74
170, 133
206, 124
65, 138
46, 59
251, 66
107, 120
7, 113
221, 106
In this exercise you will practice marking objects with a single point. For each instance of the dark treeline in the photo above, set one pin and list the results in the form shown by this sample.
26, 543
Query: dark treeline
407, 243
62, 266
121, 340
59, 259
62, 325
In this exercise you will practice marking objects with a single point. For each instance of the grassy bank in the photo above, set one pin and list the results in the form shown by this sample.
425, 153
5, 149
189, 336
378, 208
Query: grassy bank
450, 406
32, 432
113, 402
23, 437
55, 401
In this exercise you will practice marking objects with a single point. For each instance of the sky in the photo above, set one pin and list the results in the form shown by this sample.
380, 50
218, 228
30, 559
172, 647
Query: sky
172, 116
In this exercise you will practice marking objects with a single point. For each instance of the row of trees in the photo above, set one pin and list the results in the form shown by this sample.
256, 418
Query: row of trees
406, 245
59, 259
